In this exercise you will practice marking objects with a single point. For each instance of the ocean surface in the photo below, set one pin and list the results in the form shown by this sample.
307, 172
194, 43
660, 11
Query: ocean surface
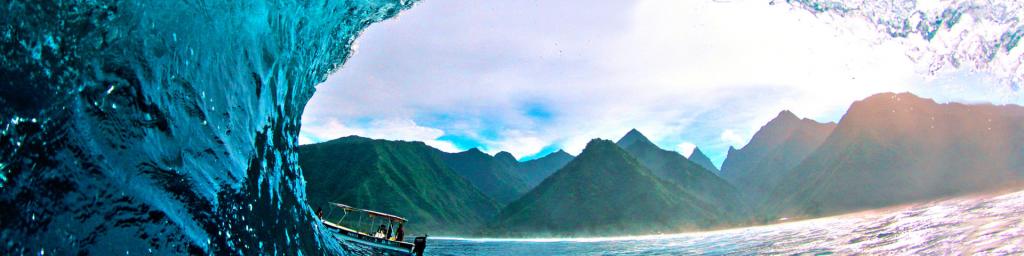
979, 225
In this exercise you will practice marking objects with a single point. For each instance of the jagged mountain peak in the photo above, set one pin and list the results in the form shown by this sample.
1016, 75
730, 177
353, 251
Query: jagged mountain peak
786, 114
701, 159
621, 197
631, 137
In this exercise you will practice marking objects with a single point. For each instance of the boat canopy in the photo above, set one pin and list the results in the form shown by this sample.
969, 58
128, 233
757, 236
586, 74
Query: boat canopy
344, 207
371, 213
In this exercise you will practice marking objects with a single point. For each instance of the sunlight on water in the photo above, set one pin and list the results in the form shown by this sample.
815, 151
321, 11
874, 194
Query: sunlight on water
988, 225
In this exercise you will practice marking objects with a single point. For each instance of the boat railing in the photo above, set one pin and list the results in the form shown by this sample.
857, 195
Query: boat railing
386, 236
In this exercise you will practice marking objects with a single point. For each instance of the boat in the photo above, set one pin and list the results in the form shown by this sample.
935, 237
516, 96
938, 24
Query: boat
383, 241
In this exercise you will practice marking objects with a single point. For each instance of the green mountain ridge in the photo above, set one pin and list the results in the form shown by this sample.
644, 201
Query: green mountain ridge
780, 145
689, 176
899, 148
403, 178
536, 170
433, 189
494, 175
888, 149
604, 191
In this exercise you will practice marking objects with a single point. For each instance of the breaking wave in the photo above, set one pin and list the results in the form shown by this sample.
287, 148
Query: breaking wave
982, 36
164, 127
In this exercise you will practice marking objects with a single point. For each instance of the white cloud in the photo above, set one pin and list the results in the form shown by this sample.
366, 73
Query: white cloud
686, 148
731, 138
518, 143
575, 144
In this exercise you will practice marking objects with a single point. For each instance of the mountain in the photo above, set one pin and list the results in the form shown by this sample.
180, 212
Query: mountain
506, 158
699, 158
897, 148
673, 167
404, 178
605, 191
633, 137
777, 147
536, 170
494, 175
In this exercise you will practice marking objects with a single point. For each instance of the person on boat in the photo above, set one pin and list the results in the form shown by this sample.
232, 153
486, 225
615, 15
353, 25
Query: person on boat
400, 233
380, 231
320, 212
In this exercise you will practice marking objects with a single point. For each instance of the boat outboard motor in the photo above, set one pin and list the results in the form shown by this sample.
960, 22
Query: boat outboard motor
419, 244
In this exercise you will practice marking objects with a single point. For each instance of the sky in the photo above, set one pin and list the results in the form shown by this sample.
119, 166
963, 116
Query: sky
532, 77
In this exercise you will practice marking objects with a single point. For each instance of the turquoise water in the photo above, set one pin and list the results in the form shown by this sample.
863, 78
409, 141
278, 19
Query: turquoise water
164, 127
986, 225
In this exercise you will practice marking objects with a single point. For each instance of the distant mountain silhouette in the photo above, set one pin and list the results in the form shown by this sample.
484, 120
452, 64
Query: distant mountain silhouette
699, 158
677, 169
403, 178
506, 158
776, 148
494, 175
673, 167
633, 137
536, 170
605, 191
888, 149
896, 148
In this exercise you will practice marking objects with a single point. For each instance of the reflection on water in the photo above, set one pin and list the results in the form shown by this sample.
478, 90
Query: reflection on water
991, 225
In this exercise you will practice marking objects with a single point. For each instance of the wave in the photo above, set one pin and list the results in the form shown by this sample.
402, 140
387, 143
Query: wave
164, 127
981, 36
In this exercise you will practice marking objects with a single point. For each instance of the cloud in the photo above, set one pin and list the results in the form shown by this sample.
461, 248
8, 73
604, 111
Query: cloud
522, 76
731, 138
518, 143
686, 148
